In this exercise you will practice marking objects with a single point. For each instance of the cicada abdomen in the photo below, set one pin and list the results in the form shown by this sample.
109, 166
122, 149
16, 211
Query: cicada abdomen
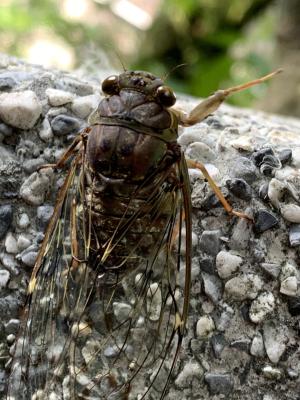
105, 314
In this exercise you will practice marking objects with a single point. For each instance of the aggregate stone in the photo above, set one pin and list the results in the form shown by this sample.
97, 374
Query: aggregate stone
287, 270
227, 264
276, 190
290, 212
201, 152
271, 269
275, 341
121, 311
257, 348
225, 319
12, 326
23, 221
83, 106
243, 287
11, 244
219, 383
45, 133
190, 371
35, 188
212, 287
289, 286
243, 168
285, 156
20, 109
64, 124
264, 220
205, 326
240, 188
243, 143
263, 191
29, 258
4, 278
218, 343
207, 264
210, 242
294, 235
44, 213
261, 307
6, 83
294, 306
271, 372
241, 234
6, 218
58, 97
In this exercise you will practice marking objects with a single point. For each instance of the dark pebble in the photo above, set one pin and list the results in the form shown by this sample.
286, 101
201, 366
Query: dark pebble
294, 306
207, 264
210, 242
44, 213
264, 220
6, 84
240, 188
5, 129
245, 312
263, 191
6, 217
213, 122
211, 201
64, 124
244, 168
258, 156
241, 344
294, 235
269, 164
219, 383
218, 342
285, 156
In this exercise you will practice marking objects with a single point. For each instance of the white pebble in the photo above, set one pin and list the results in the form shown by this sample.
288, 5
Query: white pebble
276, 190
288, 270
190, 136
201, 152
290, 212
205, 326
289, 286
45, 133
271, 373
261, 307
83, 106
154, 302
23, 242
243, 143
58, 97
20, 109
4, 278
190, 371
275, 341
36, 186
23, 221
11, 244
296, 157
227, 264
244, 287
257, 348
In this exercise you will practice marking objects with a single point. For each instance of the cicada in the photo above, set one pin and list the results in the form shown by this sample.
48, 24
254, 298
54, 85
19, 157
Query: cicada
106, 311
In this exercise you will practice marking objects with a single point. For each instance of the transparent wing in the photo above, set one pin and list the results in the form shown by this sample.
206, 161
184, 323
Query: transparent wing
107, 311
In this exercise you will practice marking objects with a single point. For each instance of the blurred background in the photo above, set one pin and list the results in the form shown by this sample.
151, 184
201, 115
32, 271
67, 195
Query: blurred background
221, 43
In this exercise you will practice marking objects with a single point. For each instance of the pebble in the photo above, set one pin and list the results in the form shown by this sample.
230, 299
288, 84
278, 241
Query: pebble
261, 307
257, 348
34, 189
201, 152
11, 244
219, 383
259, 156
12, 326
83, 106
243, 168
263, 191
6, 83
154, 302
271, 269
190, 371
285, 156
271, 372
9, 262
64, 124
121, 311
296, 156
4, 278
294, 306
294, 235
45, 133
276, 190
275, 341
44, 213
243, 287
290, 212
218, 343
288, 270
225, 319
241, 234
205, 326
289, 286
20, 109
29, 257
212, 287
243, 143
227, 264
240, 188
23, 221
188, 137
241, 344
264, 220
210, 242
6, 218
58, 97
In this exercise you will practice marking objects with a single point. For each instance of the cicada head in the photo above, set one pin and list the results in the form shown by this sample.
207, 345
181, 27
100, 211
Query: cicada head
140, 81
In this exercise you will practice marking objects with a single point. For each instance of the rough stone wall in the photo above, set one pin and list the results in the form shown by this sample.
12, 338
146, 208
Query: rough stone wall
243, 337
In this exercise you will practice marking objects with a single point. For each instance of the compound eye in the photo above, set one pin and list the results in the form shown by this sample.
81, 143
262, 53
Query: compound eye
165, 96
110, 85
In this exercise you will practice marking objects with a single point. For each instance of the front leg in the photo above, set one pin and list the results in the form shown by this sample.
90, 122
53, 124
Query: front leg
213, 102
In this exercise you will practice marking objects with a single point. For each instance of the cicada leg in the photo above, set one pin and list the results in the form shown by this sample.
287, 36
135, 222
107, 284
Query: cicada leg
216, 189
213, 102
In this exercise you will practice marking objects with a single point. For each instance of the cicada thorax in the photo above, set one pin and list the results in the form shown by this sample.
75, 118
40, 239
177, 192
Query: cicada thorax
127, 169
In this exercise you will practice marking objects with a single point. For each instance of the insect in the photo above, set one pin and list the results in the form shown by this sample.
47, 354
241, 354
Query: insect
106, 314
